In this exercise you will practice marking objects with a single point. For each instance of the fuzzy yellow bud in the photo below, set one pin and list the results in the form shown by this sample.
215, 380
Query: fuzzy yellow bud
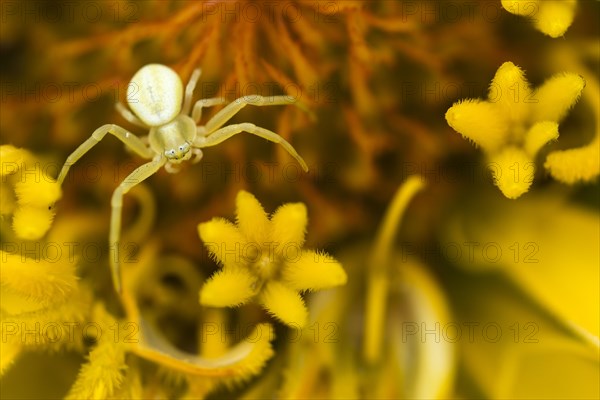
285, 304
228, 288
556, 96
32, 223
480, 122
313, 271
40, 191
513, 171
575, 165
539, 135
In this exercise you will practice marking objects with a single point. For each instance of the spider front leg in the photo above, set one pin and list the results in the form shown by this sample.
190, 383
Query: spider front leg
132, 141
225, 133
137, 176
189, 91
197, 111
220, 118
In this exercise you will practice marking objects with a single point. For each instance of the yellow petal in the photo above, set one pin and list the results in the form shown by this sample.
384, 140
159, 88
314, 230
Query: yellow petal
103, 373
285, 304
245, 359
18, 303
251, 218
556, 96
511, 92
28, 315
479, 121
254, 362
575, 165
555, 16
212, 343
228, 288
552, 328
535, 250
288, 227
526, 8
131, 387
513, 171
31, 223
223, 241
539, 135
37, 190
531, 357
431, 372
378, 287
380, 258
313, 271
46, 281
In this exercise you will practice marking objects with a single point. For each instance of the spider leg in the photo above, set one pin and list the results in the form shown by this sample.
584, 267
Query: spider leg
197, 155
132, 141
137, 176
128, 115
172, 168
197, 110
189, 91
225, 133
224, 115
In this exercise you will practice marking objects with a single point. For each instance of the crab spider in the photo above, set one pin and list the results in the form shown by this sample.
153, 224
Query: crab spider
159, 103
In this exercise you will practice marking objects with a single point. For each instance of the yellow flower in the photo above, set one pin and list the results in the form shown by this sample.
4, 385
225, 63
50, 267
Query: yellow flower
551, 17
104, 372
579, 164
515, 122
264, 259
34, 193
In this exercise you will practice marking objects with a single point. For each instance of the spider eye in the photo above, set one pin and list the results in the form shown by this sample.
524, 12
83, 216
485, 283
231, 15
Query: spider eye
184, 148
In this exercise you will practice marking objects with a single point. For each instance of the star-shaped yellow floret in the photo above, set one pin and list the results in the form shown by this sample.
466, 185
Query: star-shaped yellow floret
263, 258
551, 17
515, 122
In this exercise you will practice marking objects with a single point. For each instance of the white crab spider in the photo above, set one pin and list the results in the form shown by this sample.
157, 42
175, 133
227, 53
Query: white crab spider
155, 96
